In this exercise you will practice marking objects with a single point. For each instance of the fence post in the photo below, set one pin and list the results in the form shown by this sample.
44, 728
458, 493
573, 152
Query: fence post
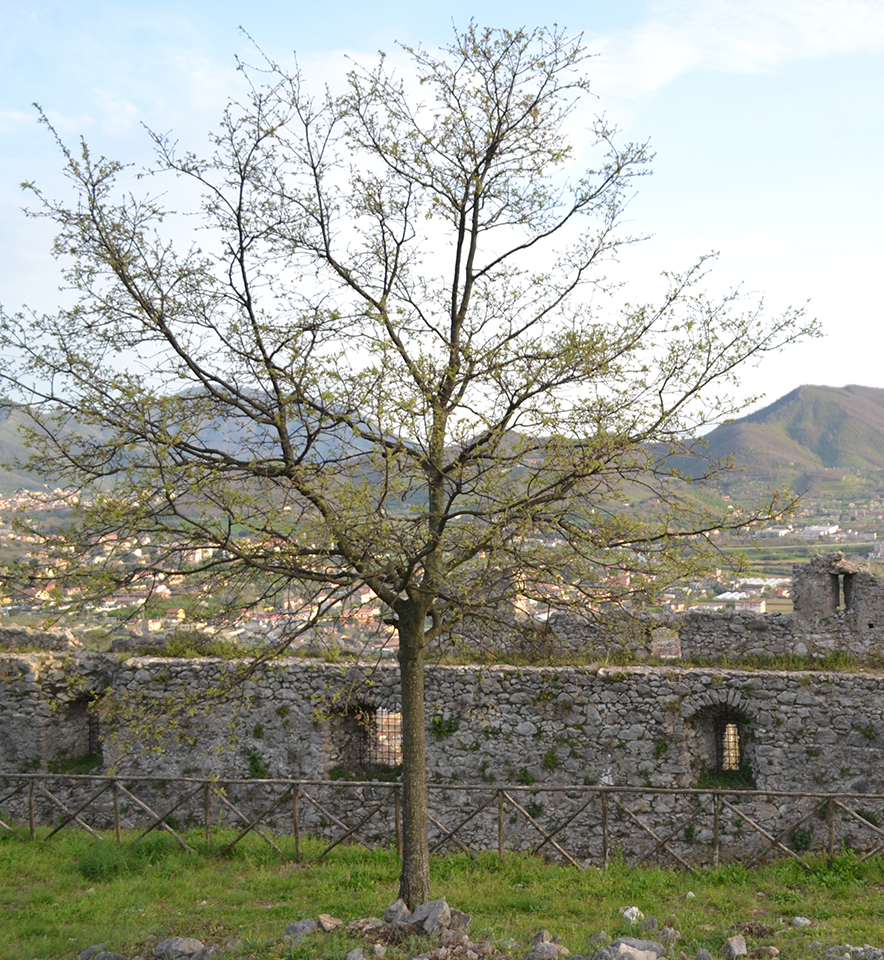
32, 822
831, 830
117, 830
398, 804
296, 821
207, 814
500, 827
716, 832
605, 850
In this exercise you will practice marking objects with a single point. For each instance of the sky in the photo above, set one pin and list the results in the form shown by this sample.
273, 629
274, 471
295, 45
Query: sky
765, 117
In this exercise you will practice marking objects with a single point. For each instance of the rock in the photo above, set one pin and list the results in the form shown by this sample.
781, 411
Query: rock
646, 946
703, 954
771, 952
207, 953
365, 925
301, 928
397, 912
429, 917
542, 936
458, 923
379, 950
669, 935
735, 947
649, 925
627, 948
356, 954
600, 937
801, 922
632, 914
90, 951
108, 955
329, 923
176, 947
546, 950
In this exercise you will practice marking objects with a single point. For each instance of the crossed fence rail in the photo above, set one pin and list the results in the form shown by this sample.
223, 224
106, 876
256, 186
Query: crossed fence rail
579, 825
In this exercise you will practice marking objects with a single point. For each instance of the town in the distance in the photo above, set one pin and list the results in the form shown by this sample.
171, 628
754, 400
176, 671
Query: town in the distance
826, 444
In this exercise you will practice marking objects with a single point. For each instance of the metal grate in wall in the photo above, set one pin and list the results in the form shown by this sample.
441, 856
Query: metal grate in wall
727, 743
384, 740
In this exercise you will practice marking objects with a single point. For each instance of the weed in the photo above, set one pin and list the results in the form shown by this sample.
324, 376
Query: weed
801, 839
525, 777
443, 727
551, 760
258, 769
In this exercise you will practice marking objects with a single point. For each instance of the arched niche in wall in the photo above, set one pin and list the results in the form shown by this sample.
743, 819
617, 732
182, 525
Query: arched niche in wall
77, 747
723, 742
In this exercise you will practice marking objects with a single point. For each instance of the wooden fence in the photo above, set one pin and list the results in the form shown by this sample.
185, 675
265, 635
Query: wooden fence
579, 825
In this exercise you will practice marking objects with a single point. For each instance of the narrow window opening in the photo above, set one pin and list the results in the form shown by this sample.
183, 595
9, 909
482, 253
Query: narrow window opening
847, 589
728, 764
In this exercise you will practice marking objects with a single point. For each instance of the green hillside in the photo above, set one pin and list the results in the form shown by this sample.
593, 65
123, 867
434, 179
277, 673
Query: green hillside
814, 436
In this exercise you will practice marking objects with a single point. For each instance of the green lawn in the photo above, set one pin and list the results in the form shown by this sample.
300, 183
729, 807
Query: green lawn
60, 896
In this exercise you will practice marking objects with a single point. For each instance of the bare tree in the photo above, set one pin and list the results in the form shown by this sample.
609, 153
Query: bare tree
382, 362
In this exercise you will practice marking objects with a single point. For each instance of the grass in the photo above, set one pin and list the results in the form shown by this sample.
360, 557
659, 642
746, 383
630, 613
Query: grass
59, 897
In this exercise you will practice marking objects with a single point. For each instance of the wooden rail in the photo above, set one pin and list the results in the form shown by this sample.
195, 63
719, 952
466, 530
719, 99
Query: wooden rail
576, 824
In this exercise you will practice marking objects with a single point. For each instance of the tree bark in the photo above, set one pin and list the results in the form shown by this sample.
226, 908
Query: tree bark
414, 881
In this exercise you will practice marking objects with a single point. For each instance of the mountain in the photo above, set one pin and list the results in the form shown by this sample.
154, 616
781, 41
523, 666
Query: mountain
12, 448
811, 434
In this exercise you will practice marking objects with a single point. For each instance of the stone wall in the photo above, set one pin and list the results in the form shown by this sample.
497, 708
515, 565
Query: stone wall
543, 727
633, 726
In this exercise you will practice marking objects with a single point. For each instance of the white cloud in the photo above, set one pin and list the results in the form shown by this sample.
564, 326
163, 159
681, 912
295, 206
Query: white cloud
751, 36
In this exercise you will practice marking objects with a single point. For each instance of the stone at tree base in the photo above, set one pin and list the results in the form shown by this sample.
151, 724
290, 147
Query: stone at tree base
703, 954
176, 947
735, 947
397, 912
459, 921
301, 928
430, 916
328, 922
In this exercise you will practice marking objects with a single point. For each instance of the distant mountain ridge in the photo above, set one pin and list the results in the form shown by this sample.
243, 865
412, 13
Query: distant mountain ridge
812, 433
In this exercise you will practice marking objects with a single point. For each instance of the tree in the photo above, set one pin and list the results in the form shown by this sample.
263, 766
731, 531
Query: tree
385, 363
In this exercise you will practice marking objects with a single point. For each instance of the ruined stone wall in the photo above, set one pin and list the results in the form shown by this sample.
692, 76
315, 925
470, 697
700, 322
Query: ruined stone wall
637, 726
613, 725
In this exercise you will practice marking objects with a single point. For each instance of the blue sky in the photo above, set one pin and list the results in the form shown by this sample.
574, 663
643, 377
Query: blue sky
765, 115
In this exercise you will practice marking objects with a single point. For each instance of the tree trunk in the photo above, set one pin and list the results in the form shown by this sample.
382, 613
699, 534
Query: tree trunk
414, 881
